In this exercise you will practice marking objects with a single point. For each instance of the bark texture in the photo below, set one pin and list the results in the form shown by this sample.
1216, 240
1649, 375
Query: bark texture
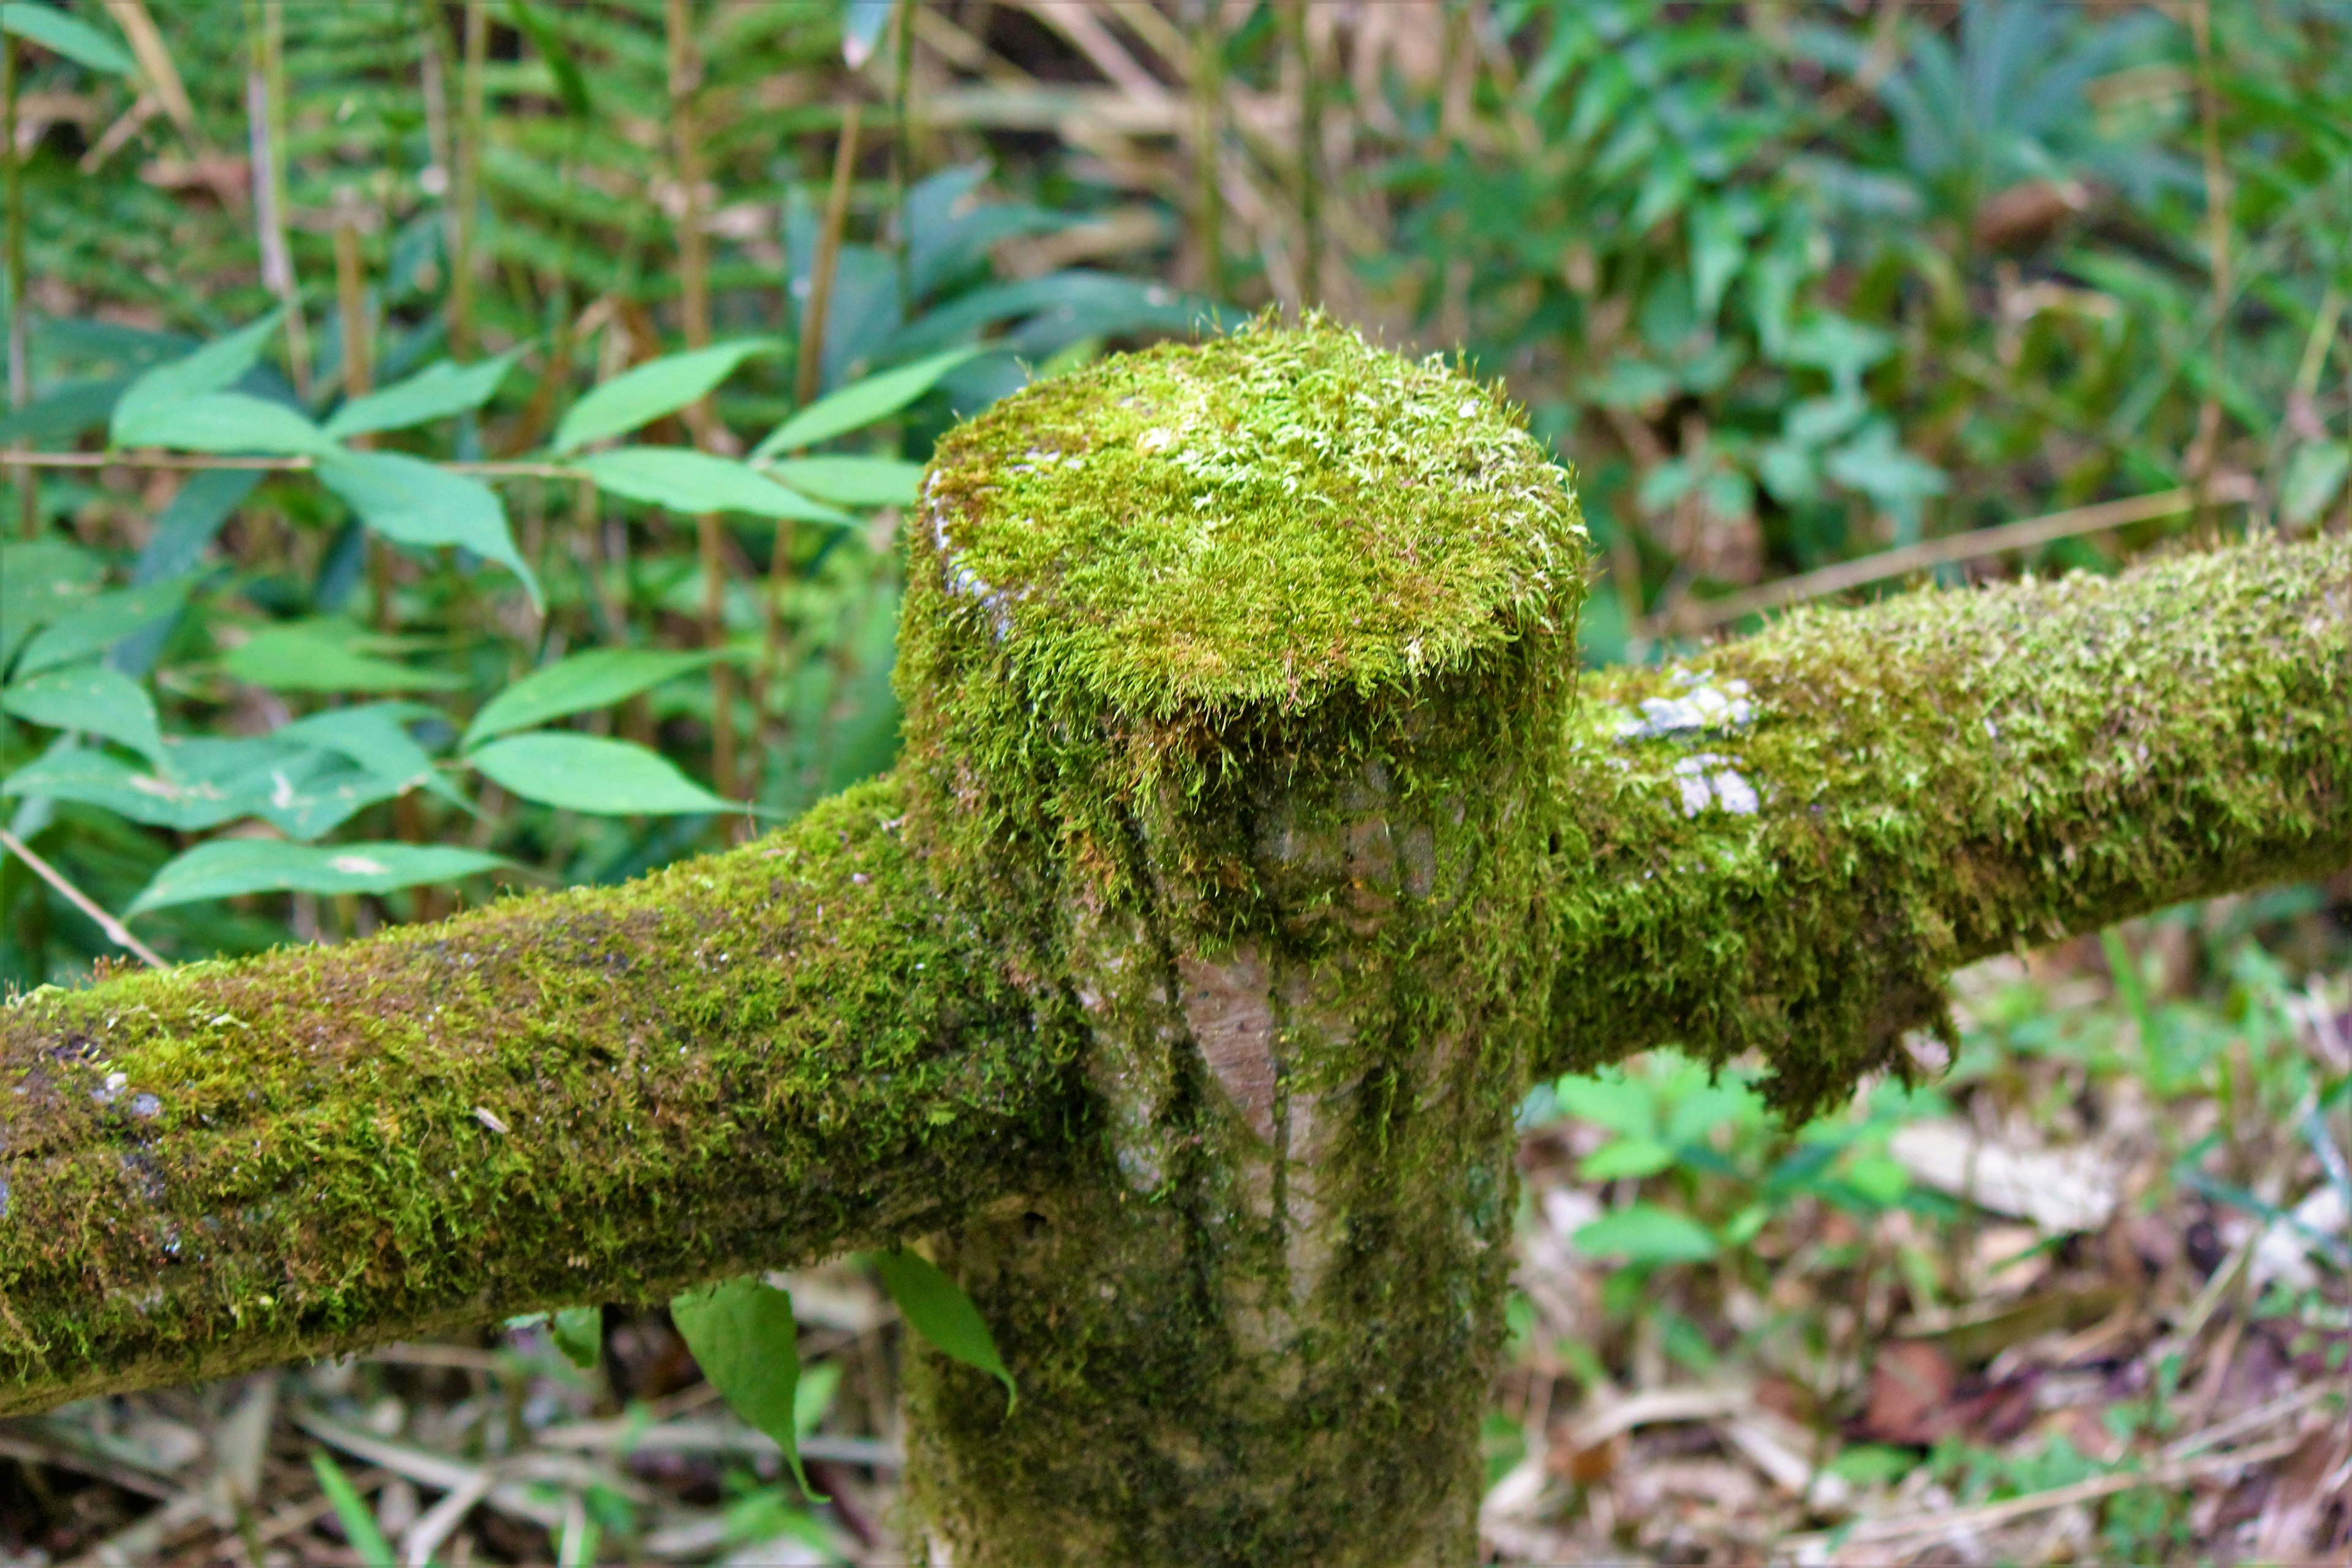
1283, 880
1254, 848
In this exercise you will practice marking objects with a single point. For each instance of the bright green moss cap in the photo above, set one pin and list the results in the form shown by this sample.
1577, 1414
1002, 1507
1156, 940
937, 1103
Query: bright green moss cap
1260, 518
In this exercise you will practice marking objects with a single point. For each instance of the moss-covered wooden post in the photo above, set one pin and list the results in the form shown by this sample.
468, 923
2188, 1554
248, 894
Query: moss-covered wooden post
1255, 845
1233, 679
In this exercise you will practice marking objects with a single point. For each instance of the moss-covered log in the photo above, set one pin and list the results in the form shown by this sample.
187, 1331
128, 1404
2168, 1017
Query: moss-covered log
1785, 845
1255, 845
763, 1056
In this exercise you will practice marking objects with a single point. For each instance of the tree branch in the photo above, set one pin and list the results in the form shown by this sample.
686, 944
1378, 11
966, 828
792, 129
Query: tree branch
768, 1055
1931, 781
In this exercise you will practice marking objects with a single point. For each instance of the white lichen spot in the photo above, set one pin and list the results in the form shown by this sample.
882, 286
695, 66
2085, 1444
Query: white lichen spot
1734, 793
357, 866
1704, 708
1707, 780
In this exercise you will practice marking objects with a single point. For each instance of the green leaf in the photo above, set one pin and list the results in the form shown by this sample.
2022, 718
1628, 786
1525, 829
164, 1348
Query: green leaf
374, 735
1619, 1104
597, 678
310, 656
186, 528
410, 501
582, 773
225, 867
437, 392
93, 699
359, 1524
71, 36
579, 1333
2314, 475
102, 622
229, 422
212, 368
743, 1336
688, 481
936, 1308
161, 798
570, 86
853, 481
862, 403
40, 580
1626, 1157
1875, 464
653, 389
1643, 1233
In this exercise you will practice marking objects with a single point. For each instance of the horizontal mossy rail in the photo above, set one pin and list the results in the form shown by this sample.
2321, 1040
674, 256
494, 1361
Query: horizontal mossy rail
797, 1047
770, 1055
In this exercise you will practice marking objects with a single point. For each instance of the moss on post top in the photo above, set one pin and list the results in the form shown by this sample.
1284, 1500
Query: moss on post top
1263, 519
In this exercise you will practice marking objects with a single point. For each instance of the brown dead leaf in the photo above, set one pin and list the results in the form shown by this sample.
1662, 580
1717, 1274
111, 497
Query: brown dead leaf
2025, 216
1997, 1412
2293, 1522
1588, 1466
1911, 1385
227, 179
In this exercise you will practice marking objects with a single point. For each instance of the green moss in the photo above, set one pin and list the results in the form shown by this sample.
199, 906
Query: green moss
1942, 777
1258, 519
1234, 676
1248, 855
770, 1055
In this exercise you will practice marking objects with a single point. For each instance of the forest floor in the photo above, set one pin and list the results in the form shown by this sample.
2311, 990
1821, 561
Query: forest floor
2084, 1296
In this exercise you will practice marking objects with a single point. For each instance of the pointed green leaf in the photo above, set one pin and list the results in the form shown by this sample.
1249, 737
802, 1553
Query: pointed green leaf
437, 392
229, 422
212, 368
100, 623
359, 1524
853, 481
162, 797
579, 1333
743, 1336
597, 678
570, 86
412, 501
93, 699
582, 773
40, 580
936, 1308
1645, 1233
685, 480
856, 405
374, 736
71, 36
225, 867
653, 389
316, 657
2314, 475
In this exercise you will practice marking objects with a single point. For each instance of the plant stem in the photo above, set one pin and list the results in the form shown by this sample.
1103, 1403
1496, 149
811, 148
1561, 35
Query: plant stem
811, 371
465, 192
694, 292
20, 376
116, 931
359, 380
902, 147
2206, 448
264, 108
1309, 153
1208, 138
